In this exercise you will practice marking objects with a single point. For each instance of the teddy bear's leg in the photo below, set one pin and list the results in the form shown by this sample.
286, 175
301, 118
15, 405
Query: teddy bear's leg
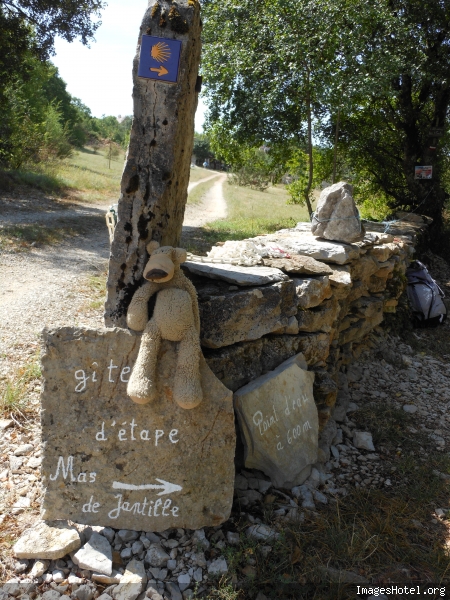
187, 390
142, 383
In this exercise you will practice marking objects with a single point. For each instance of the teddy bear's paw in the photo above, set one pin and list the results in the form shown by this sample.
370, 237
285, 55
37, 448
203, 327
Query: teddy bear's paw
141, 391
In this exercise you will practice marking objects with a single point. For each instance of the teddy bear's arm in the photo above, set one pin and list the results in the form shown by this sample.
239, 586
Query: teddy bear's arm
193, 294
137, 314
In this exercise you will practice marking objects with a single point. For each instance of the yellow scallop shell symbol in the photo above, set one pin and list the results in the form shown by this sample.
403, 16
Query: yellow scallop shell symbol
160, 52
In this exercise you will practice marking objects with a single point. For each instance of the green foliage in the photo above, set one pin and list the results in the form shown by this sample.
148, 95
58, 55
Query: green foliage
202, 147
56, 137
381, 66
253, 171
48, 18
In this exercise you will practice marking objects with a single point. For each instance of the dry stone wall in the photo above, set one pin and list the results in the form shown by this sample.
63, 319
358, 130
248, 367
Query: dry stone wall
334, 295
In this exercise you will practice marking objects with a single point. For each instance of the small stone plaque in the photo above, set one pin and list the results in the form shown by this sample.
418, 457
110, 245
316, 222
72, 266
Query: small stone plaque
108, 461
279, 423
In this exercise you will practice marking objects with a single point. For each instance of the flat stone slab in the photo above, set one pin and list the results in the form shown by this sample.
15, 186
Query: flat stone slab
304, 243
299, 265
244, 276
108, 461
279, 423
47, 541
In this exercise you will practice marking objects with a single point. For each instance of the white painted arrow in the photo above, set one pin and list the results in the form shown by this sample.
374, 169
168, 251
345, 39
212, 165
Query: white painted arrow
166, 487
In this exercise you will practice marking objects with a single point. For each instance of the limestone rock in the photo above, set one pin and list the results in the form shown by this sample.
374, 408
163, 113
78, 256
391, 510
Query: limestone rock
132, 582
262, 532
218, 566
384, 251
312, 291
299, 265
239, 364
278, 420
157, 168
39, 568
115, 577
95, 555
49, 540
320, 318
156, 556
244, 276
111, 462
363, 440
336, 216
246, 315
306, 244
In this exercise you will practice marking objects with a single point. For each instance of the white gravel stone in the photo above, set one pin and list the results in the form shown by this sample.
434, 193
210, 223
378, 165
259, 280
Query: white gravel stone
218, 566
261, 532
58, 575
96, 555
363, 440
184, 581
156, 556
23, 449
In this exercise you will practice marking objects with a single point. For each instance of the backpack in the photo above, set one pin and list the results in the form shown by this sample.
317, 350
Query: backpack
425, 297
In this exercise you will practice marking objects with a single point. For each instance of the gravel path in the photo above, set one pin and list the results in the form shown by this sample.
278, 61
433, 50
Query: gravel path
47, 286
212, 207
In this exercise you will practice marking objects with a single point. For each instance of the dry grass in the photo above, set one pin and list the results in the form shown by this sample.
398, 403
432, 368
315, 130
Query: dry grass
20, 238
87, 172
14, 390
96, 286
252, 213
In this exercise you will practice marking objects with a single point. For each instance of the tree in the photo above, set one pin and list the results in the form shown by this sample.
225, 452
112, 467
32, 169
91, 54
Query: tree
404, 124
48, 18
371, 78
27, 32
272, 73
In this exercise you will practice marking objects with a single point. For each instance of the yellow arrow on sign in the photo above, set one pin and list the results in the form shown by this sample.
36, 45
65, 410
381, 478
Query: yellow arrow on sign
160, 70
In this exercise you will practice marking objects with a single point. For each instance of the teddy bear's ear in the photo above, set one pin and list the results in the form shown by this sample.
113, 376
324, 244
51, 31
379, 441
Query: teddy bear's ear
179, 255
152, 246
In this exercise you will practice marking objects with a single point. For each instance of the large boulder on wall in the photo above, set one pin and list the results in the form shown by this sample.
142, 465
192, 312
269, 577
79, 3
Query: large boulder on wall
336, 216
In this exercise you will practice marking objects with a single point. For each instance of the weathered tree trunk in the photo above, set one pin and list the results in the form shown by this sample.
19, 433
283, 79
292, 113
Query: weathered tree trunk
156, 173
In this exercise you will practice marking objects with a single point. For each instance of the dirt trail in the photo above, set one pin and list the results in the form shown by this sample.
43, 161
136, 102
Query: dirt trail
194, 184
46, 286
212, 207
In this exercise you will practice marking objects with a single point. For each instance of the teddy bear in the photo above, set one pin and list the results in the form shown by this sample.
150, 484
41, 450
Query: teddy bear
175, 318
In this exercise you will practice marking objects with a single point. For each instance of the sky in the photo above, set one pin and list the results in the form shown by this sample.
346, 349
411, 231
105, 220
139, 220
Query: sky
101, 75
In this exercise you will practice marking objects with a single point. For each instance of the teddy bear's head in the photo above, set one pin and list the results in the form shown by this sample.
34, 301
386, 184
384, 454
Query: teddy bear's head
162, 262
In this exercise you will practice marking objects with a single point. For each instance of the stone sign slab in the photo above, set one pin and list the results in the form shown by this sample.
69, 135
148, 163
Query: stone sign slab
279, 423
108, 461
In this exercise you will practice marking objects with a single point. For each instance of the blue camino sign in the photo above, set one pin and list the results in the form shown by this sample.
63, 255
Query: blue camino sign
159, 59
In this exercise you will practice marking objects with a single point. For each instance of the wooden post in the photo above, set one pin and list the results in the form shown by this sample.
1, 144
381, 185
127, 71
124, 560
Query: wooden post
157, 165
